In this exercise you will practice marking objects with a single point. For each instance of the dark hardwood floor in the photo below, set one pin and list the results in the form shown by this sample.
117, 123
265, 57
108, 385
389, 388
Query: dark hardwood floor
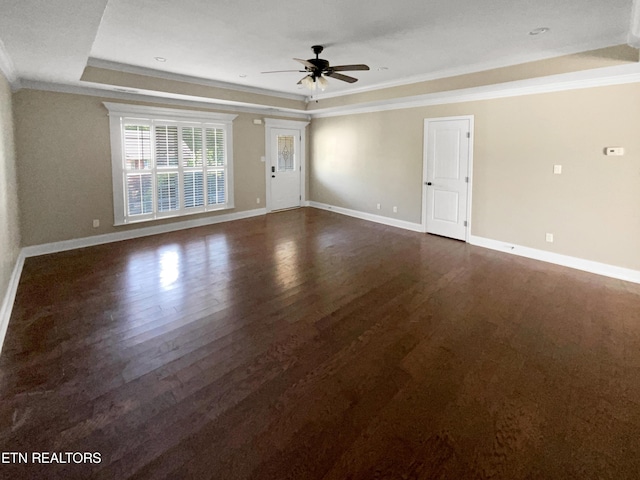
309, 345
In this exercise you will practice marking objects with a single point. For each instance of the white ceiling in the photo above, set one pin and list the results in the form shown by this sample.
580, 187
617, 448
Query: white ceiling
52, 41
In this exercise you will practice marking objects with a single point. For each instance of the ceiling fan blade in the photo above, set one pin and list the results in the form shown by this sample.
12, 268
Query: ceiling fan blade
339, 76
347, 68
283, 71
306, 63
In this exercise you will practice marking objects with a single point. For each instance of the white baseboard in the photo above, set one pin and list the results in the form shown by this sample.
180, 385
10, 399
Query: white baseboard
54, 247
565, 260
9, 298
64, 245
415, 227
578, 263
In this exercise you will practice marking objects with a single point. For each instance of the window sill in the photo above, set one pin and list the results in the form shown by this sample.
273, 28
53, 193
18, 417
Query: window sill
157, 217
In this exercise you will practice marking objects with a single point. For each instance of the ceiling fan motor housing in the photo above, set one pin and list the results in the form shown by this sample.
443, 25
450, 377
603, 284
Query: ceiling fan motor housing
319, 63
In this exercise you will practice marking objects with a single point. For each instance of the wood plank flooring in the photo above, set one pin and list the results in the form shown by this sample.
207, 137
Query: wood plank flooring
309, 345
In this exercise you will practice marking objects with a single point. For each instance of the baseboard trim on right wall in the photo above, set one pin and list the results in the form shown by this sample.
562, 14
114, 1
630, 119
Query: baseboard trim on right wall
590, 266
578, 263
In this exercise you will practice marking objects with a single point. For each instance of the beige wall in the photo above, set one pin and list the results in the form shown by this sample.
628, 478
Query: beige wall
65, 166
592, 208
9, 225
356, 161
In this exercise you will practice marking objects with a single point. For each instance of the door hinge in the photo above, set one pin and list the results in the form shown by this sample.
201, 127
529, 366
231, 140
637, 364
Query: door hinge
468, 134
300, 197
465, 223
466, 179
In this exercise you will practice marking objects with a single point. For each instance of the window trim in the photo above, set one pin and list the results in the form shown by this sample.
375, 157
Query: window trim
118, 112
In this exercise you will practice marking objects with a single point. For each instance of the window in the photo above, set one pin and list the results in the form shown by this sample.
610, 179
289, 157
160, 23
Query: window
285, 153
168, 163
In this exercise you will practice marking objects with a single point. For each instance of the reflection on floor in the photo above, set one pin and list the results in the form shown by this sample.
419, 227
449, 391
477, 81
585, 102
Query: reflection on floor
308, 345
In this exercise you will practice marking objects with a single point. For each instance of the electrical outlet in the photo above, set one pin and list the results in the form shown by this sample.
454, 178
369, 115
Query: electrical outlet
258, 200
96, 223
618, 151
395, 209
557, 169
549, 237
378, 206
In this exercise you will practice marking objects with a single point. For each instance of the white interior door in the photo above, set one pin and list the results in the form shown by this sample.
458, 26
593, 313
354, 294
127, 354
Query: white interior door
285, 169
447, 151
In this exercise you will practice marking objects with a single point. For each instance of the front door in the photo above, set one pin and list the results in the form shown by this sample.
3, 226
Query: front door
285, 168
447, 150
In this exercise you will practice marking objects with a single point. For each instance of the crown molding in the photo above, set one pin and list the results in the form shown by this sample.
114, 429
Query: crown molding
629, 73
633, 39
8, 69
475, 68
169, 99
150, 72
600, 77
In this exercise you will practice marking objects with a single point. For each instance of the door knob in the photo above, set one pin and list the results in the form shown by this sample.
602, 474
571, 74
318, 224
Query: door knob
427, 183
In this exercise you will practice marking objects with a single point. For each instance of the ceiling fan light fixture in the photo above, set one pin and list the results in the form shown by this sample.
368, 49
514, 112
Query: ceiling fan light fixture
308, 82
322, 83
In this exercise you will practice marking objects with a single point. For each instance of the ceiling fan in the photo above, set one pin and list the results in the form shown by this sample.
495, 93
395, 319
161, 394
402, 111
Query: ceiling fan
317, 69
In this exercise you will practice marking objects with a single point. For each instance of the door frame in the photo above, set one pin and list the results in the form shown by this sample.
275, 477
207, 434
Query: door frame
269, 125
425, 146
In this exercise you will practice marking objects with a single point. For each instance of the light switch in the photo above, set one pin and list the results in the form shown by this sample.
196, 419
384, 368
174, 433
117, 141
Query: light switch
557, 169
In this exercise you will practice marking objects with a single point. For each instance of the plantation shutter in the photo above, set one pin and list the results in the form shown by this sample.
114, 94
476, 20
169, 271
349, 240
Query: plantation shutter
216, 178
192, 163
168, 162
138, 168
167, 146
